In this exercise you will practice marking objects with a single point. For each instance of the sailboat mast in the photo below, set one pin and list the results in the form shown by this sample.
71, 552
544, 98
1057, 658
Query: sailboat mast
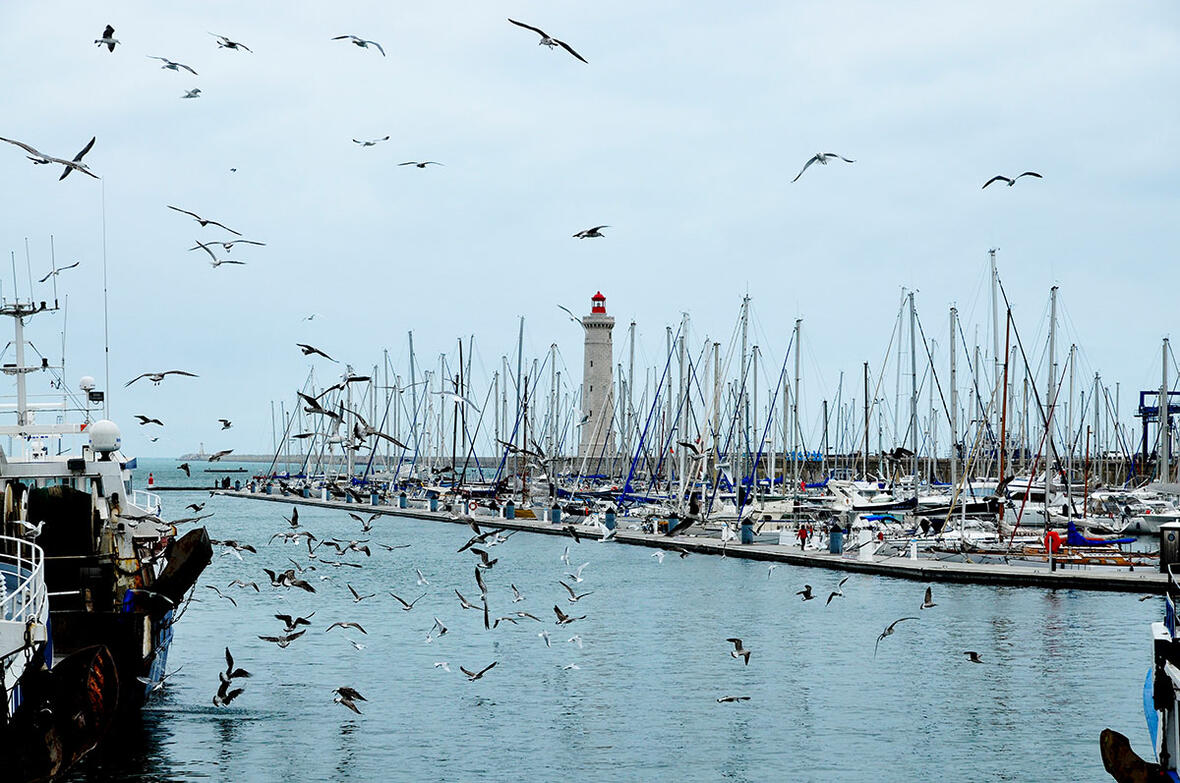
954, 405
1165, 435
914, 392
795, 430
1051, 396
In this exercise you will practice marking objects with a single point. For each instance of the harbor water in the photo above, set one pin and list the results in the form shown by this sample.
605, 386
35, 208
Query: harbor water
642, 703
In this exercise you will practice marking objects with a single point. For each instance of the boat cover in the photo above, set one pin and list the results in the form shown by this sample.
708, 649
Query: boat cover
1074, 538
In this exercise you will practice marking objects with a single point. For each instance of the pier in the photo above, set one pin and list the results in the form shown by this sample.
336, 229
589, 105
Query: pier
920, 570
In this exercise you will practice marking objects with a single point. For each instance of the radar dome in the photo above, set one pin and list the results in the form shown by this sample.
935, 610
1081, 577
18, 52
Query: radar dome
105, 436
86, 383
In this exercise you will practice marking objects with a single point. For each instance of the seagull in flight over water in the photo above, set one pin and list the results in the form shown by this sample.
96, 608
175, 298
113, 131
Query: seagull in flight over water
40, 157
821, 158
548, 40
361, 42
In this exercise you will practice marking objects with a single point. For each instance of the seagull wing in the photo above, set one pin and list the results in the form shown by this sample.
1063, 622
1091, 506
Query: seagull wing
998, 177
570, 49
136, 378
204, 247
222, 225
813, 159
185, 211
536, 30
187, 68
180, 372
399, 600
24, 146
486, 668
1025, 174
86, 149
841, 157
379, 47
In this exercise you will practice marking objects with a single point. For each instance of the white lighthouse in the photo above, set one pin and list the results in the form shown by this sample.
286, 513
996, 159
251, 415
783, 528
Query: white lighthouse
598, 398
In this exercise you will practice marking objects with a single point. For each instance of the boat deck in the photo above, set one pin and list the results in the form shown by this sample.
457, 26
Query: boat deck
922, 570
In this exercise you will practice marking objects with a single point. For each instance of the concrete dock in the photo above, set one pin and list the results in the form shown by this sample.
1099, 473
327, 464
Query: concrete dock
921, 570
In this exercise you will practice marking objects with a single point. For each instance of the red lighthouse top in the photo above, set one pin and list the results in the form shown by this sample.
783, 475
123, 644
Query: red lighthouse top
598, 303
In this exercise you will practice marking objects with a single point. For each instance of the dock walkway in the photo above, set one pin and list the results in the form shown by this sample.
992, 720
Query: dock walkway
898, 567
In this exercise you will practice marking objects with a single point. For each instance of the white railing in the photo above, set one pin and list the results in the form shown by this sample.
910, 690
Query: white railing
148, 501
23, 596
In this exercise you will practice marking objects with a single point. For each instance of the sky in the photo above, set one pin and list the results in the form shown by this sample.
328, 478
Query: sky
683, 134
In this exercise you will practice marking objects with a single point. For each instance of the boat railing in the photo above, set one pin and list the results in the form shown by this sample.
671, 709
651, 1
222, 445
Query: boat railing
148, 501
23, 595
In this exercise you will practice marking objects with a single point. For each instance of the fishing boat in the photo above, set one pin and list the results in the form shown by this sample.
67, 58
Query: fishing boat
95, 577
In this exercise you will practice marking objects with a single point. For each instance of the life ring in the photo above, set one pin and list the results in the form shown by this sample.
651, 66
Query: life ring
472, 505
1053, 542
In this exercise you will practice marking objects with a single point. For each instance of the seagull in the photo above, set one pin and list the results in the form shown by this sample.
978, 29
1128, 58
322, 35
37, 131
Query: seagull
516, 596
108, 38
574, 597
545, 635
570, 666
591, 233
575, 639
565, 556
361, 42
548, 40
221, 594
225, 43
563, 618
308, 350
464, 603
156, 377
731, 699
224, 695
70, 165
227, 246
770, 570
438, 626
422, 164
457, 399
739, 651
838, 592
204, 221
972, 656
217, 455
283, 641
370, 142
347, 624
214, 261
577, 574
806, 593
659, 556
355, 644
184, 466
822, 159
446, 667
292, 623
348, 697
928, 600
230, 672
193, 93
357, 597
149, 420
405, 606
226, 423
483, 588
473, 676
888, 632
172, 66
196, 507
1011, 181
422, 580
58, 271
573, 532
485, 562
244, 585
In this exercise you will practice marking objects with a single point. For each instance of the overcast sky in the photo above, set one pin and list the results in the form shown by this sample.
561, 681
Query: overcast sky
682, 133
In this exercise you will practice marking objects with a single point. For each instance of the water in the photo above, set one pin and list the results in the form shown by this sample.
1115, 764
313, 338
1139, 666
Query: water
1059, 668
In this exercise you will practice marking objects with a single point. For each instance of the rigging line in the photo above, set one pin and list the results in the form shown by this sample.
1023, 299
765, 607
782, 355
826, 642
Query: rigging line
646, 426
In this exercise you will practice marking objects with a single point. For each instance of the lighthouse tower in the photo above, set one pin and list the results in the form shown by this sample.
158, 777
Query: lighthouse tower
598, 398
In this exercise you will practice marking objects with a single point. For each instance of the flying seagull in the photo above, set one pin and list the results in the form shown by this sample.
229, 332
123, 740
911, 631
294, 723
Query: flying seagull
972, 656
214, 260
225, 43
738, 650
283, 641
822, 159
548, 40
108, 38
40, 157
361, 42
293, 623
184, 466
806, 593
405, 606
838, 592
348, 624
226, 423
148, 420
928, 600
889, 632
308, 350
203, 221
1011, 181
156, 377
172, 66
348, 697
370, 142
58, 271
732, 699
591, 233
422, 164
193, 93
217, 455
473, 676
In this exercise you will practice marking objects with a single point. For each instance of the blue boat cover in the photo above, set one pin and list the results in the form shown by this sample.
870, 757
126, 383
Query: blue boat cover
1074, 538
1153, 717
